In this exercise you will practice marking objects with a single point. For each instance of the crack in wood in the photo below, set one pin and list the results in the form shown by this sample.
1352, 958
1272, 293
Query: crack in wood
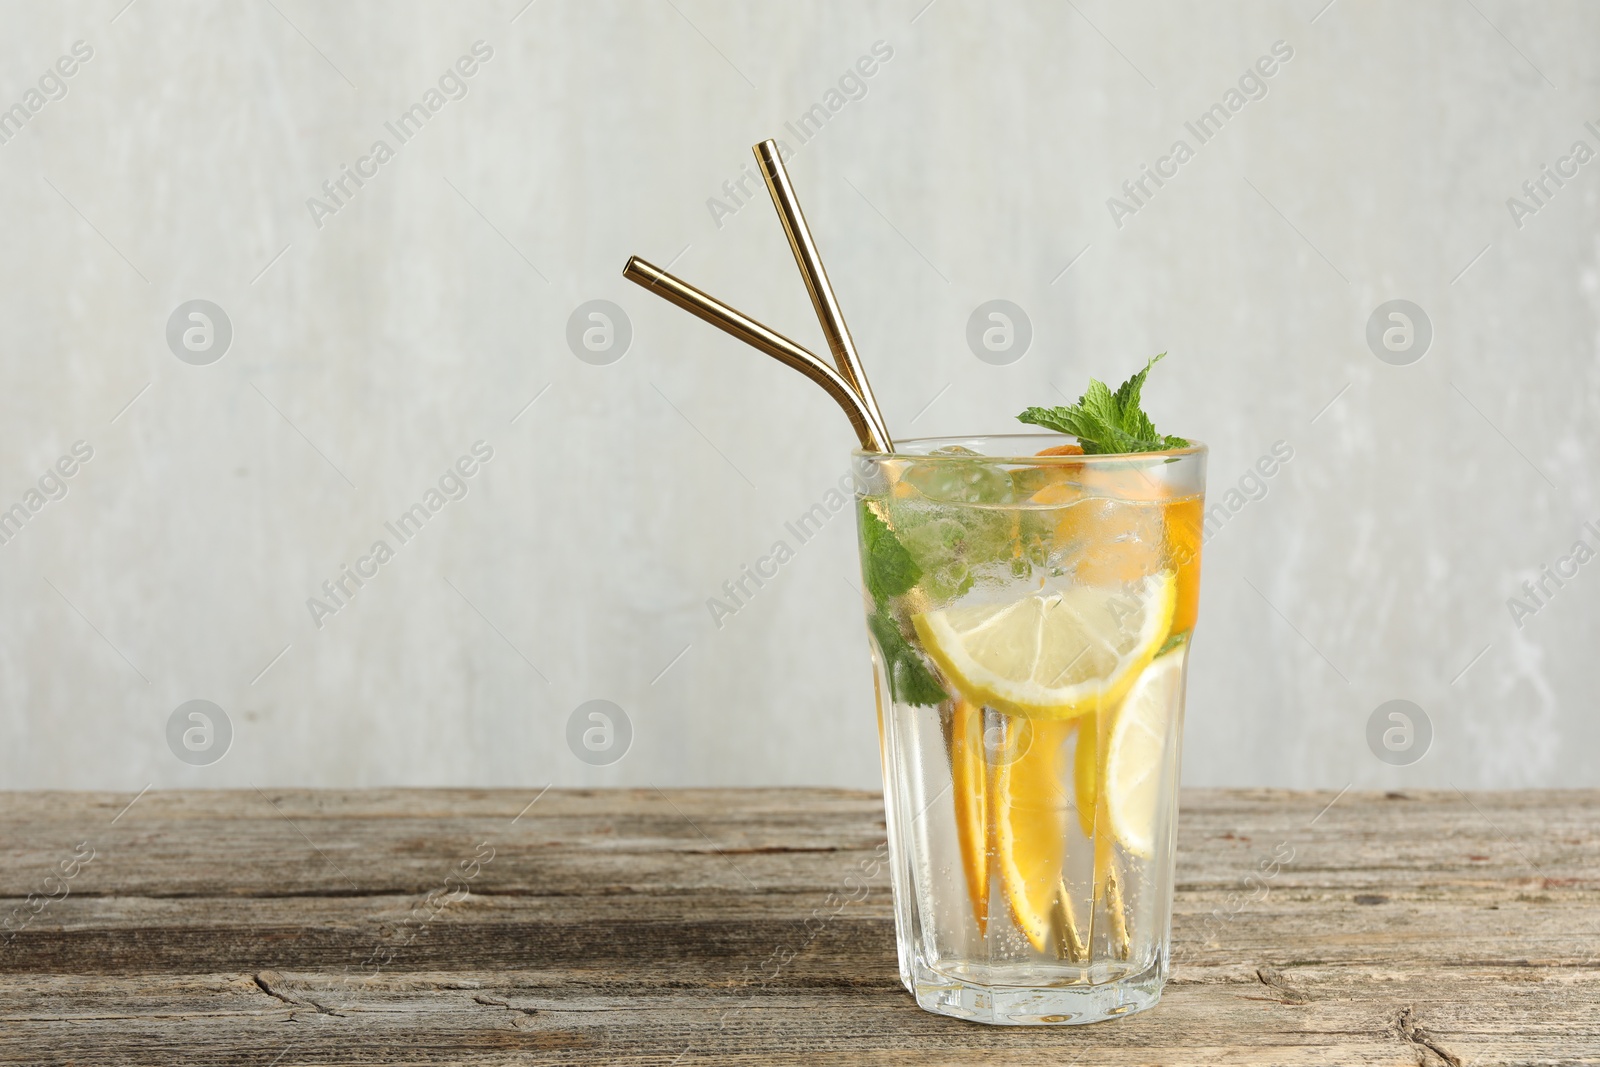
275, 986
495, 1002
772, 850
1429, 1051
1273, 979
491, 1002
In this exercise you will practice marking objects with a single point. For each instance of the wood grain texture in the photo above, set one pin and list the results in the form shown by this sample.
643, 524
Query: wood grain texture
647, 927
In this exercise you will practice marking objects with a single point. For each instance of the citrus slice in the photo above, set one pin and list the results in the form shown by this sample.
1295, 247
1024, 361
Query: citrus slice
1031, 813
1086, 773
1136, 756
968, 771
1185, 537
1053, 654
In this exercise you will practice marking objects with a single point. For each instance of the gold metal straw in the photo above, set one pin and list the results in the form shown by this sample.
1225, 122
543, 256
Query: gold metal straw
705, 306
809, 261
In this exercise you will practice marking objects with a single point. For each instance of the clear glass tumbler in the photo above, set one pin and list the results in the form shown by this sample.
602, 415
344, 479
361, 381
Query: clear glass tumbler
1030, 618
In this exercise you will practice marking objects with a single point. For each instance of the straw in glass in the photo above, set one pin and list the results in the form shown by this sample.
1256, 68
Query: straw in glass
809, 260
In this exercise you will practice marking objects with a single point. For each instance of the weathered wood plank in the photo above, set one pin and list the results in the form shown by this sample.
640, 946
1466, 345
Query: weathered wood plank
229, 1019
639, 927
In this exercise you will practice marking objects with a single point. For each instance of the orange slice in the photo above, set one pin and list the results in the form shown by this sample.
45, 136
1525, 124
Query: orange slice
1185, 523
1085, 772
967, 773
1031, 814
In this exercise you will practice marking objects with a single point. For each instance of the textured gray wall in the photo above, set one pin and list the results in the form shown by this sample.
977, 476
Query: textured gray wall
372, 345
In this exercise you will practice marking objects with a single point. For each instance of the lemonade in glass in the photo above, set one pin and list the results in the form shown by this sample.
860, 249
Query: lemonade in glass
1030, 609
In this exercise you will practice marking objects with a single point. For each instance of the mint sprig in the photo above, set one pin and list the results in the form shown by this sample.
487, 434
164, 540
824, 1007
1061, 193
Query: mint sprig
1106, 422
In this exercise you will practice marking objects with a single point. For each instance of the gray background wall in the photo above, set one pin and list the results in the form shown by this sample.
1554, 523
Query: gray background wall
371, 351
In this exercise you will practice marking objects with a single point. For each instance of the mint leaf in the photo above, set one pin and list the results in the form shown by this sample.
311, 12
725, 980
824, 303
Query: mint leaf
890, 570
1064, 420
1099, 404
1107, 423
1127, 398
910, 681
915, 685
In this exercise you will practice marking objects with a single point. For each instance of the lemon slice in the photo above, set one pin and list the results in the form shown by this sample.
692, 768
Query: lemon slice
1054, 654
1137, 754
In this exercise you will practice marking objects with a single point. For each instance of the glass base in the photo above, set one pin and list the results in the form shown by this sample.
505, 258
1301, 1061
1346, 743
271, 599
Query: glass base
1069, 1004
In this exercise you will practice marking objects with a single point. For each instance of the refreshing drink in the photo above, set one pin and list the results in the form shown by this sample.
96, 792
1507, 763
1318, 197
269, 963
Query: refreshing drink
1030, 600
1030, 609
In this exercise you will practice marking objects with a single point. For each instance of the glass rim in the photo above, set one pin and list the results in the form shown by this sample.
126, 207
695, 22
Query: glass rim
1194, 448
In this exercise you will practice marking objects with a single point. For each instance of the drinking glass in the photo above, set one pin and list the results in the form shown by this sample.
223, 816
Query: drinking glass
1030, 618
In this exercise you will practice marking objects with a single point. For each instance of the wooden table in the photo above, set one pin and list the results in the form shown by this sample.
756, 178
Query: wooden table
289, 927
